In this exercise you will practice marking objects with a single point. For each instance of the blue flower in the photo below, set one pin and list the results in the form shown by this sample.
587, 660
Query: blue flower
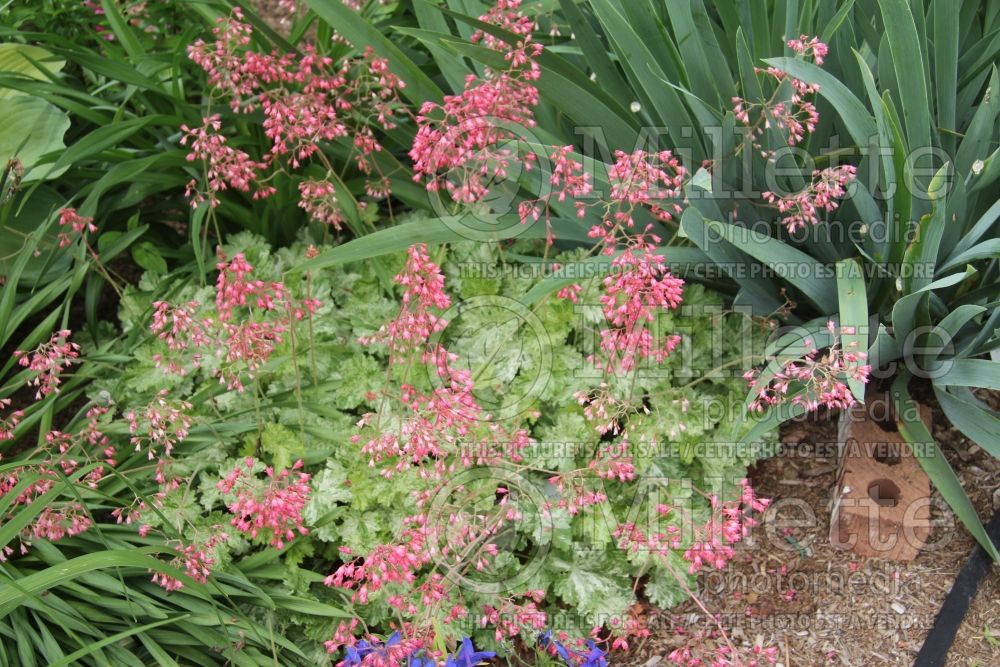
595, 657
420, 660
545, 640
467, 655
353, 655
564, 653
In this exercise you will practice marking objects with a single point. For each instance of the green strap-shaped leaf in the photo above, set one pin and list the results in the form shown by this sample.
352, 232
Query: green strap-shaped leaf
856, 118
790, 346
122, 30
14, 593
309, 607
983, 225
853, 303
932, 460
908, 62
981, 373
904, 313
419, 87
731, 261
565, 87
943, 335
980, 135
837, 20
434, 231
920, 258
73, 657
771, 420
971, 417
431, 19
642, 67
608, 75
986, 250
801, 270
30, 61
946, 41
707, 71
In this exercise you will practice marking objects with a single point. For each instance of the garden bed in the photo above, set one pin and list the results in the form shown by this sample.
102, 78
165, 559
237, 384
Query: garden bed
423, 333
824, 606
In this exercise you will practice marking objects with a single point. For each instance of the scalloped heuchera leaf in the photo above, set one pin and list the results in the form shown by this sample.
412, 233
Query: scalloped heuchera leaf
593, 585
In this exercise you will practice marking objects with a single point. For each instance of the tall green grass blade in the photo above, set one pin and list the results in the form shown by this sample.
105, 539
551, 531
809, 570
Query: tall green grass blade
946, 40
932, 460
853, 306
973, 418
908, 61
112, 639
801, 270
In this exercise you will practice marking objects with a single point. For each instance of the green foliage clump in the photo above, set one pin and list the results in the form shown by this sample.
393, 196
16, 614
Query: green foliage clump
321, 380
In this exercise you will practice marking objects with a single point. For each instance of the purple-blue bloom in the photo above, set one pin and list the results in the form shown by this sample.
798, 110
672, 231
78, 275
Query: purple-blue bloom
468, 656
420, 660
595, 657
354, 655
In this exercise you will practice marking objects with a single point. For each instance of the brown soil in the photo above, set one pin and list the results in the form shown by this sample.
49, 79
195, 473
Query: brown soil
791, 589
272, 13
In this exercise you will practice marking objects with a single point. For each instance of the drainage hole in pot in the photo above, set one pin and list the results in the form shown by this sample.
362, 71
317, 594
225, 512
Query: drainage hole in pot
884, 492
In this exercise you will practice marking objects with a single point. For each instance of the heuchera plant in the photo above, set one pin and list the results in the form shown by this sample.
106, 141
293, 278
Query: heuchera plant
407, 420
305, 100
465, 474
462, 146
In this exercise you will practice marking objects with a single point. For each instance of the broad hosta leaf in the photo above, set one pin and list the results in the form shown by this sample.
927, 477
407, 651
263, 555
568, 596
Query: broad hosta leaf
32, 127
29, 61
